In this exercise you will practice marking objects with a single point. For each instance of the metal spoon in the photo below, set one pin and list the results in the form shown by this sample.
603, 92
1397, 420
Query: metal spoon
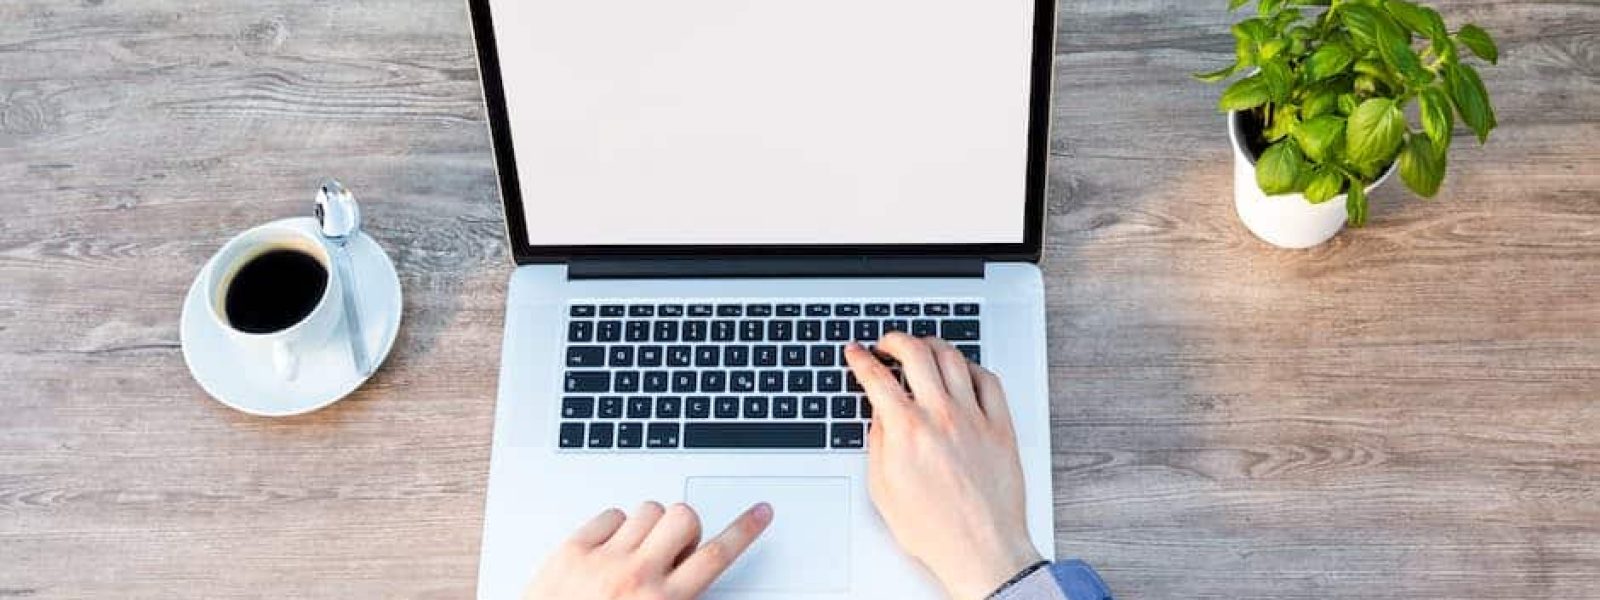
340, 220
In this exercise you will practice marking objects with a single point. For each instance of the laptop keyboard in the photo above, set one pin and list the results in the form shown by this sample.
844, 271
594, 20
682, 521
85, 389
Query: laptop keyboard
723, 376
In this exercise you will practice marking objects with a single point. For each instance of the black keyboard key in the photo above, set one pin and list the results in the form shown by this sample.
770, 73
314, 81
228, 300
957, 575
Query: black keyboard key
770, 381
866, 331
585, 356
750, 331
972, 351
866, 408
822, 356
611, 407
848, 435
650, 356
754, 435
785, 407
587, 381
814, 407
700, 310
600, 435
670, 310
847, 310
665, 331
900, 325
613, 310
780, 330
794, 356
788, 310
830, 381
713, 381
727, 407
684, 382
819, 310
960, 330
571, 435
580, 331
707, 356
669, 407
907, 310
838, 330
581, 310
679, 356
765, 356
638, 331
639, 407
625, 381
723, 331
758, 310
844, 407
655, 381
924, 328
851, 384
809, 331
800, 381
730, 310
695, 331
620, 356
742, 381
577, 407
878, 310
967, 310
697, 407
641, 310
736, 356
755, 407
661, 435
936, 310
608, 331
630, 435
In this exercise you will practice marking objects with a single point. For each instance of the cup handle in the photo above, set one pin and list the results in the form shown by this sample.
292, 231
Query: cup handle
284, 361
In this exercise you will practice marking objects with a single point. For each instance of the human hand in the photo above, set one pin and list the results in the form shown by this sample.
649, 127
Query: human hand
650, 555
942, 464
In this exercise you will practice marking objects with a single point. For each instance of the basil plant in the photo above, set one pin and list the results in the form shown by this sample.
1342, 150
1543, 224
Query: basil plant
1331, 89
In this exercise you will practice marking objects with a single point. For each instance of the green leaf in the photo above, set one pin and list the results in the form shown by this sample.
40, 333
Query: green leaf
1355, 204
1471, 99
1438, 117
1478, 41
1285, 117
1244, 94
1279, 79
1273, 47
1422, 166
1324, 185
1279, 168
1394, 45
1347, 104
1362, 22
1318, 104
1421, 19
1266, 7
1235, 4
1218, 75
1319, 138
1374, 132
1329, 60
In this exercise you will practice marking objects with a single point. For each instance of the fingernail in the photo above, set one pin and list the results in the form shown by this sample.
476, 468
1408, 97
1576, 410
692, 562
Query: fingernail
762, 512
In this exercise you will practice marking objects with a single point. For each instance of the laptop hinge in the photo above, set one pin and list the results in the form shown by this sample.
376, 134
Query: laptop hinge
786, 267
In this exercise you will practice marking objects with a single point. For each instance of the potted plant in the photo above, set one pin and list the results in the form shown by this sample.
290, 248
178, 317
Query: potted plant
1319, 119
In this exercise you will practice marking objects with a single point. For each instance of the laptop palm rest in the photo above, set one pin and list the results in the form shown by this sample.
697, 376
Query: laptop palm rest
807, 546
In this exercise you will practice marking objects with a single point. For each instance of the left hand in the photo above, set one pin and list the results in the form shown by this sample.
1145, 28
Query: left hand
649, 555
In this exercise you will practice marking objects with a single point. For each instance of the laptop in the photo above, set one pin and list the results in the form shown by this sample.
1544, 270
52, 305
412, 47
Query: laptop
705, 200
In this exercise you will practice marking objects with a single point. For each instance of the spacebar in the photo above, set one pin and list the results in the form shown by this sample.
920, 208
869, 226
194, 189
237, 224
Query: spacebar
755, 435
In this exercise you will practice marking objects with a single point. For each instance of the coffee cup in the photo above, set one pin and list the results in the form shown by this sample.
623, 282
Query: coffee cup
274, 292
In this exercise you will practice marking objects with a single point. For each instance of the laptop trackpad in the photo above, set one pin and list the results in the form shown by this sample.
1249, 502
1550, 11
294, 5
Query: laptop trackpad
807, 546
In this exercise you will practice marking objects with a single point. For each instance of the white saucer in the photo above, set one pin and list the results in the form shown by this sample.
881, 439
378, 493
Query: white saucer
326, 373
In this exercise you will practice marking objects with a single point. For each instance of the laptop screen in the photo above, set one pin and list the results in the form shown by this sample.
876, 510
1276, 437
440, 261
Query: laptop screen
764, 122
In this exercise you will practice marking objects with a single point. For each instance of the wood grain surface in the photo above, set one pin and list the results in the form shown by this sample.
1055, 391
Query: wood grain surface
1412, 410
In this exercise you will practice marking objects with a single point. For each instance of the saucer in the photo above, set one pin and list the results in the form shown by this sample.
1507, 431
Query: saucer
327, 372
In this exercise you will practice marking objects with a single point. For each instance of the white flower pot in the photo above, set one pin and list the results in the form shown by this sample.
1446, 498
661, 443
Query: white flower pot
1285, 220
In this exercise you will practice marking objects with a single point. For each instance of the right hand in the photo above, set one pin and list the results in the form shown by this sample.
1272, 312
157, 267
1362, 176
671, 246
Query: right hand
942, 464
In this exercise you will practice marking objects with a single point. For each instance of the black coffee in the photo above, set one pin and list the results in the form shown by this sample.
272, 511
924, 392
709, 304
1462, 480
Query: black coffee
274, 291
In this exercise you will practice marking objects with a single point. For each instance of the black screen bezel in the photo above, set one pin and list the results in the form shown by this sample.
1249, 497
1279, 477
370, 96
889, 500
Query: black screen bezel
526, 253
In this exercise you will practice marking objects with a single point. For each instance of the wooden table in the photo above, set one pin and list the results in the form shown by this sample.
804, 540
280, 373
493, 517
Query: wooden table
1412, 410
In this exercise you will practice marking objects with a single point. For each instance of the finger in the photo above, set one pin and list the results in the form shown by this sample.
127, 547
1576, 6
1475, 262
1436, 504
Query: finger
636, 527
916, 359
677, 531
957, 377
889, 401
992, 399
703, 567
598, 529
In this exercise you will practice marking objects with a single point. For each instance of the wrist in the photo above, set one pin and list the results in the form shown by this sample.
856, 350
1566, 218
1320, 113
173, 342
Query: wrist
986, 572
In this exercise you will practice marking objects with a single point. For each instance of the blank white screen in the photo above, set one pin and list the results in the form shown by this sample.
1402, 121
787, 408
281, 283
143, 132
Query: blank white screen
768, 122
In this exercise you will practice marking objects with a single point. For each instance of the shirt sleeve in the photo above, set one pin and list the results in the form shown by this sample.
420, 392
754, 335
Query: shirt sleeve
1065, 580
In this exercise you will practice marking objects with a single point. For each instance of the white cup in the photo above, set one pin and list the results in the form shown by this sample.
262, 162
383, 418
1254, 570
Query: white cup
282, 347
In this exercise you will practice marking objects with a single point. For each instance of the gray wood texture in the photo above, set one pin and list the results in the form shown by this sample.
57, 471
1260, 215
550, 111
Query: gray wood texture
1412, 410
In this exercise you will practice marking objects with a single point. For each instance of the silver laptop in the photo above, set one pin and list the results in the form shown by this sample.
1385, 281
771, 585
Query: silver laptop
706, 199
